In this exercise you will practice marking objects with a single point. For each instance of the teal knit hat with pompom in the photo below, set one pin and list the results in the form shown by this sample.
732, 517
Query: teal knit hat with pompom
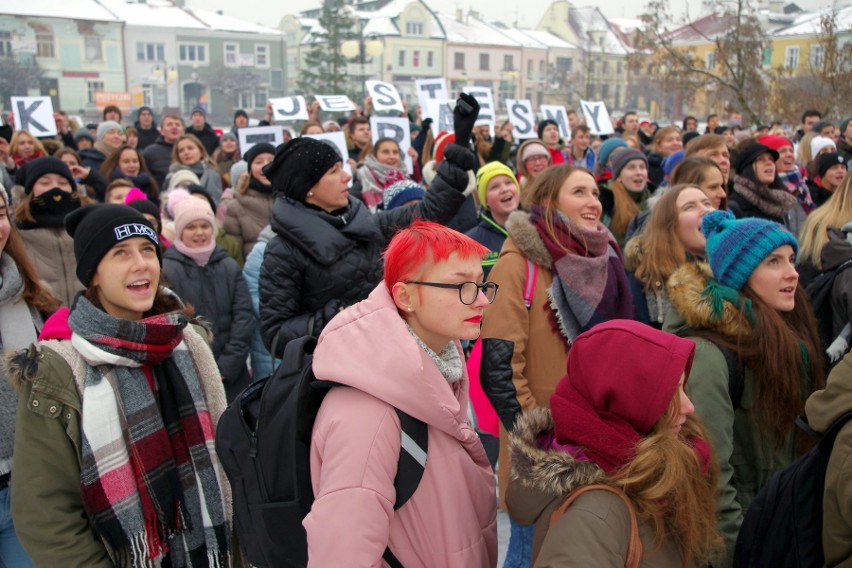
736, 247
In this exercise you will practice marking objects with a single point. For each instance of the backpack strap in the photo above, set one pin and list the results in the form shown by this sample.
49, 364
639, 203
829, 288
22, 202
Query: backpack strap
529, 283
634, 545
414, 435
736, 383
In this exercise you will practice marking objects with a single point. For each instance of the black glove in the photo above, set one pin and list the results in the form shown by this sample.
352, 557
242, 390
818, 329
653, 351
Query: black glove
464, 118
426, 124
461, 156
331, 309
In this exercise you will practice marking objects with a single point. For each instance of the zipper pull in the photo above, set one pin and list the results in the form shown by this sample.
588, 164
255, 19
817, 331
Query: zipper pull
253, 448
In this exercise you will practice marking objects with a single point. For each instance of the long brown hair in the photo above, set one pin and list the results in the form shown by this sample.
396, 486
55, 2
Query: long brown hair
205, 157
661, 135
111, 164
667, 482
35, 293
662, 250
624, 207
778, 348
693, 170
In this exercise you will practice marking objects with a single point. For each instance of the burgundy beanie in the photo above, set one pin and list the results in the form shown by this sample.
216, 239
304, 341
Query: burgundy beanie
606, 404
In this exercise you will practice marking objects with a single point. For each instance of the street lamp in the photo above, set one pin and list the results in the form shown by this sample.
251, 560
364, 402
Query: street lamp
165, 75
362, 47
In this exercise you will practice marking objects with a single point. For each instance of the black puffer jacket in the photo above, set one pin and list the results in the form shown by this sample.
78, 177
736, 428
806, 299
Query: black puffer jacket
218, 292
207, 136
158, 157
320, 262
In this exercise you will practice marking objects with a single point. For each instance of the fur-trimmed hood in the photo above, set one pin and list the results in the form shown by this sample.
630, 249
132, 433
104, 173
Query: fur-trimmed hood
20, 366
542, 476
694, 310
633, 254
430, 170
527, 239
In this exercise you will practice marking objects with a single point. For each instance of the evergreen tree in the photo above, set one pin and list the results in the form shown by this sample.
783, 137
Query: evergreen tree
324, 68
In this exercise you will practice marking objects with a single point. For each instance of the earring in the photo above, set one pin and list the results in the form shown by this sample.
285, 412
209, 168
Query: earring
410, 309
310, 194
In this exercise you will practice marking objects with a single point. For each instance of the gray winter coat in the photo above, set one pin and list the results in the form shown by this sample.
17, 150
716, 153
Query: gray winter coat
218, 292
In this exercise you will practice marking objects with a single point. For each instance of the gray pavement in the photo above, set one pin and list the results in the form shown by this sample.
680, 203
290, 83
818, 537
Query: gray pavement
502, 536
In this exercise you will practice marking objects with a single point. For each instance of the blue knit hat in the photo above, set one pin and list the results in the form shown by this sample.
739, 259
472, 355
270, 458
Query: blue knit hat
735, 247
607, 147
400, 190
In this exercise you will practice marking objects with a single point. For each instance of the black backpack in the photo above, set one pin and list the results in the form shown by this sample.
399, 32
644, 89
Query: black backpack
263, 440
819, 291
783, 526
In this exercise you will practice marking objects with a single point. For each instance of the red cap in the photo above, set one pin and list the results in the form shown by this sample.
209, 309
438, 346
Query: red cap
774, 142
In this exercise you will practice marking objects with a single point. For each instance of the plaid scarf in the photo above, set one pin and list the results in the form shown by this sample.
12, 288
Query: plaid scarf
796, 183
148, 478
589, 282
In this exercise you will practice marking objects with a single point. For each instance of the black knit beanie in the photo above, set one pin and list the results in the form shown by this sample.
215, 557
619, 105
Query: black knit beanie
97, 228
45, 165
827, 161
257, 150
149, 207
299, 164
543, 124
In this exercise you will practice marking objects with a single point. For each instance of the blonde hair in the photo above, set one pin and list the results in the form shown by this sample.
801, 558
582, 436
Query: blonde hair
661, 135
624, 207
835, 212
205, 157
804, 155
13, 145
668, 484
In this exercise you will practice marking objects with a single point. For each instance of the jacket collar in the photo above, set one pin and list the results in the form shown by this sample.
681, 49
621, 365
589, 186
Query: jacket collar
527, 239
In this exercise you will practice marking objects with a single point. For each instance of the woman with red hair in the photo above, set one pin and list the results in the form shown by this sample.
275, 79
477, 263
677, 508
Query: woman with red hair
433, 294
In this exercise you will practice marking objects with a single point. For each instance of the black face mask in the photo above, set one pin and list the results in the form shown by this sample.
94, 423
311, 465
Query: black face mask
50, 208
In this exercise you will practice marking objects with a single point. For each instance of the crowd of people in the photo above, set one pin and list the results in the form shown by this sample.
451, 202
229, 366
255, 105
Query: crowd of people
652, 342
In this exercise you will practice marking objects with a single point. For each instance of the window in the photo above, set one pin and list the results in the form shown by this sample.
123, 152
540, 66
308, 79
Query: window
94, 87
260, 98
791, 57
564, 64
530, 69
150, 52
484, 61
541, 72
458, 61
430, 58
402, 58
192, 53
508, 63
416, 58
276, 79
414, 28
261, 56
232, 55
619, 68
44, 43
5, 44
94, 51
817, 56
710, 60
605, 69
148, 94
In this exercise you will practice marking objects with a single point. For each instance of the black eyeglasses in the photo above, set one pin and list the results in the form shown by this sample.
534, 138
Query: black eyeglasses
468, 291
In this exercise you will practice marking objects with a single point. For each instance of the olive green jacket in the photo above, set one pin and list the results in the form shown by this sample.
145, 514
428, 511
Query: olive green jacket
47, 507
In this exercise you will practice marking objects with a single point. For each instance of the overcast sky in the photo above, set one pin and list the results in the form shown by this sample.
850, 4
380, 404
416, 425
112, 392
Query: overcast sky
525, 14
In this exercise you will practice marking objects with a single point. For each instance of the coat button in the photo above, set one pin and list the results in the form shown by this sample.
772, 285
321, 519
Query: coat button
35, 403
68, 416
53, 410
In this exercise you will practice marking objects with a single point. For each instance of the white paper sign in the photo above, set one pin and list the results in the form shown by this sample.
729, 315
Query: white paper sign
431, 90
255, 135
522, 118
441, 113
339, 141
335, 103
486, 104
395, 127
289, 108
559, 115
597, 117
35, 115
385, 96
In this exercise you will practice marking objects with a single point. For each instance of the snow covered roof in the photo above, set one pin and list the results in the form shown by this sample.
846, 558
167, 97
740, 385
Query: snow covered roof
219, 22
518, 36
474, 31
549, 39
706, 28
590, 24
809, 24
71, 9
154, 13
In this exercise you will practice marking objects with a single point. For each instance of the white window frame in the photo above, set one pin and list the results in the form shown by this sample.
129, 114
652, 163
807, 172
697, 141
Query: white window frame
45, 43
710, 60
817, 56
191, 53
93, 87
231, 54
99, 56
791, 57
264, 49
484, 61
458, 57
157, 49
6, 43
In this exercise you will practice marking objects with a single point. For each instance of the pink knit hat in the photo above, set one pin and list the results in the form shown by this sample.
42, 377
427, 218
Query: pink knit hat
190, 210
